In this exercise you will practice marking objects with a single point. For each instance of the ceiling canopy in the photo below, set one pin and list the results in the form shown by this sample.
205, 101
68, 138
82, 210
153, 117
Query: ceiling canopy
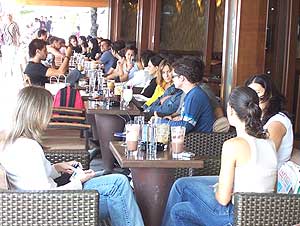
78, 3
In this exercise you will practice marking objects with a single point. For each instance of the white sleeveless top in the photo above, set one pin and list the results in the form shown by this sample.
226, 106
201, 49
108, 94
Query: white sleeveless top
286, 146
260, 172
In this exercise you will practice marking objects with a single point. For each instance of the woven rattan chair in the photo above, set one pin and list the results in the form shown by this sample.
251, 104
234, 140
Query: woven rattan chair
205, 144
47, 208
254, 209
65, 138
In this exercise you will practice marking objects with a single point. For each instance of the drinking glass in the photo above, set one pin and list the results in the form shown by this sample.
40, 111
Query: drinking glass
132, 136
177, 140
127, 95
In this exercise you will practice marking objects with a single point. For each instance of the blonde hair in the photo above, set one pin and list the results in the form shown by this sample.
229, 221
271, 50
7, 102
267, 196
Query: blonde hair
159, 79
31, 114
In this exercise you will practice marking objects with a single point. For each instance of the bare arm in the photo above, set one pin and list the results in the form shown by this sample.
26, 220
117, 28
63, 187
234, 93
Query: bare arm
226, 178
63, 67
277, 131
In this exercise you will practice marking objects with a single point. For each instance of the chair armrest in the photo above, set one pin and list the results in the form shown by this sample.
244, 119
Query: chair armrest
48, 208
68, 155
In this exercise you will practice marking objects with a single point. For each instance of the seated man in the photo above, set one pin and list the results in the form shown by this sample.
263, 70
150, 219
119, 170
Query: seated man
196, 114
107, 57
38, 72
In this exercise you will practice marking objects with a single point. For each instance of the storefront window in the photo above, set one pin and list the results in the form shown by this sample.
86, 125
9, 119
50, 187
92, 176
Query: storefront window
183, 25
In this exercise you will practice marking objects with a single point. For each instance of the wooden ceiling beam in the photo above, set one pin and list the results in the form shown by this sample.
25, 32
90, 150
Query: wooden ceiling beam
75, 3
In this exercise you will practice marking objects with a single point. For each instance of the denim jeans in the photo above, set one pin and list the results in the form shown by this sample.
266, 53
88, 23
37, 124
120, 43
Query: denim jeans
116, 200
192, 202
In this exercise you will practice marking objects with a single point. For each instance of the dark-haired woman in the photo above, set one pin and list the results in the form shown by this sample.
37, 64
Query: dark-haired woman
248, 164
274, 117
94, 49
126, 66
82, 43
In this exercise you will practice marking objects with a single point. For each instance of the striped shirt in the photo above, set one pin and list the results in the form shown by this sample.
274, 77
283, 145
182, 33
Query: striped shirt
11, 34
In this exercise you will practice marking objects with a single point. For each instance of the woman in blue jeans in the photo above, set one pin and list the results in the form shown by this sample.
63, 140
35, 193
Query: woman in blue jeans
27, 168
248, 164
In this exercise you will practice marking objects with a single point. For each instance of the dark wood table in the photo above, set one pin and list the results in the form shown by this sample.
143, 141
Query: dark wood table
109, 121
152, 178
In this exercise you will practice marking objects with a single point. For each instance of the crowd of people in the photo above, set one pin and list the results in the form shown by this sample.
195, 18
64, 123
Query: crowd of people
175, 91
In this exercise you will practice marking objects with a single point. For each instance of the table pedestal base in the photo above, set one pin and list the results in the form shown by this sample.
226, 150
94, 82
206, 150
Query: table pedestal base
152, 187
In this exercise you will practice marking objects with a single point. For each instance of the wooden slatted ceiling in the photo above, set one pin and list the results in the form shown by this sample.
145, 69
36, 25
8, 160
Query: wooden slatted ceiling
78, 3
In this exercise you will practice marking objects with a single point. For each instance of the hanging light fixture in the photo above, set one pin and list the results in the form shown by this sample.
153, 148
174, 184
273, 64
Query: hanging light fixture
218, 3
179, 5
200, 6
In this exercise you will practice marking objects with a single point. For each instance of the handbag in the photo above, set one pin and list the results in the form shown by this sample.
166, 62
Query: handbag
54, 87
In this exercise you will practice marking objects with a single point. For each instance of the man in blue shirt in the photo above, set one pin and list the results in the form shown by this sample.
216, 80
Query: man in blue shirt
196, 114
107, 57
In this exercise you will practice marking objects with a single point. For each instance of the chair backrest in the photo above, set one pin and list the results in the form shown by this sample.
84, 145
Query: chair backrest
68, 97
205, 144
49, 208
254, 209
209, 144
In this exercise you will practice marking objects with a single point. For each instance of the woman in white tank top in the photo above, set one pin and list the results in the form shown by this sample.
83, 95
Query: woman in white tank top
248, 164
274, 118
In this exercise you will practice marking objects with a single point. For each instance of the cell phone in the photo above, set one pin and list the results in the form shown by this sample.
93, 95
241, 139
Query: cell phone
78, 172
120, 134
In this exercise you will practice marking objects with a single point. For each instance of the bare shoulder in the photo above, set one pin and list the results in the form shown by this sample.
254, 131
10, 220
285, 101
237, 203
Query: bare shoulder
235, 144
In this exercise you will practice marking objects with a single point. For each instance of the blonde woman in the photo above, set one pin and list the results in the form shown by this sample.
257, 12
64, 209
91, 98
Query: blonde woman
27, 168
169, 102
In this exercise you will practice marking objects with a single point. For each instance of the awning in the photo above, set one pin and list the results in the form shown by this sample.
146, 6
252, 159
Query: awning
78, 3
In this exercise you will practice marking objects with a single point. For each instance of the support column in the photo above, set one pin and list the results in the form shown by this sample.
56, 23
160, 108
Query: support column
115, 14
244, 42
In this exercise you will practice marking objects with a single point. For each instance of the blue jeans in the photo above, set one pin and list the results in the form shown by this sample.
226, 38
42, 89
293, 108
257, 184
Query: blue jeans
116, 200
192, 202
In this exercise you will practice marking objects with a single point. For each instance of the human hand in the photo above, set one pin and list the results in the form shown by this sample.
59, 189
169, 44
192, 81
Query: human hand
66, 167
88, 174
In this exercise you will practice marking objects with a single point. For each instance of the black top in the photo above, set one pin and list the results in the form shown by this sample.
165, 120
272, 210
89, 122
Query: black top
149, 90
37, 73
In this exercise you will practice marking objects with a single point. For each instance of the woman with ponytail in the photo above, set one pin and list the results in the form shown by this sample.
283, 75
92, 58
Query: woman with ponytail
248, 164
274, 118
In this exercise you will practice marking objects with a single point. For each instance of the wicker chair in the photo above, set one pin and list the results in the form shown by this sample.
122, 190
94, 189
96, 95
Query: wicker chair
254, 209
64, 139
205, 144
47, 208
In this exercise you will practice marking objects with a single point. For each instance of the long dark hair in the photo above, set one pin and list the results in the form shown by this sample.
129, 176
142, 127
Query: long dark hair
95, 48
245, 103
274, 100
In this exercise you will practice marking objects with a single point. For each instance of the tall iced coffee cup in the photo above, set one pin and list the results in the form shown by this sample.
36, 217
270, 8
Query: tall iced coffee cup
177, 140
132, 137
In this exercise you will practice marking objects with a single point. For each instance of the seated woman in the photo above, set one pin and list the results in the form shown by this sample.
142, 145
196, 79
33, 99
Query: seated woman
73, 41
27, 168
94, 49
153, 69
126, 66
169, 102
248, 164
82, 43
274, 118
141, 77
